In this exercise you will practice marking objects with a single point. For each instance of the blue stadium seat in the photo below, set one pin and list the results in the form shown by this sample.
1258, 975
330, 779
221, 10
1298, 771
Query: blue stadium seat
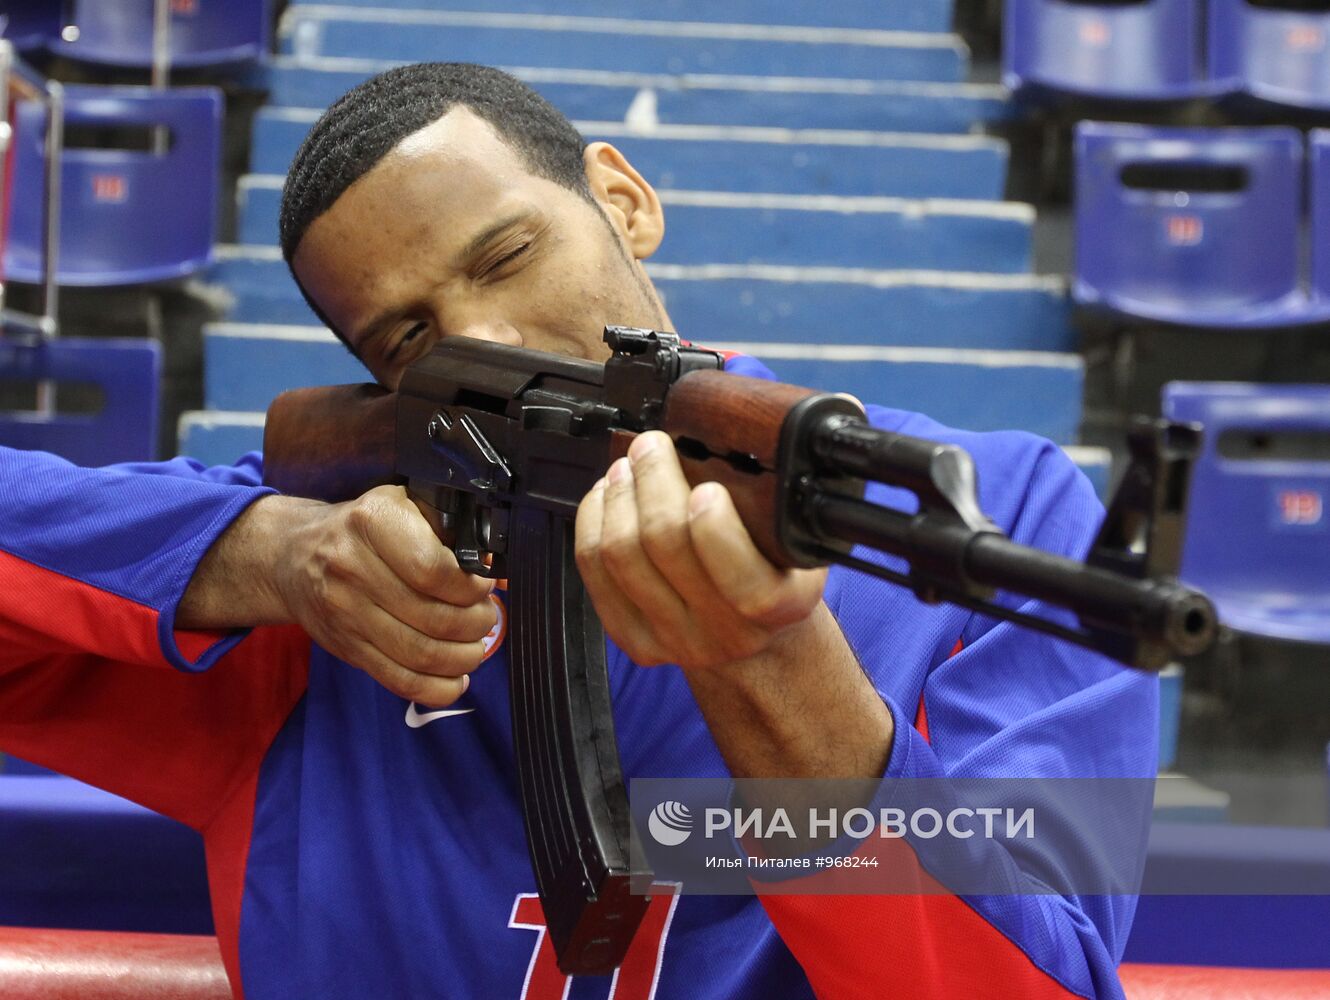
128, 216
29, 25
707, 158
1147, 50
1276, 54
127, 372
75, 857
1258, 534
203, 32
920, 15
589, 95
501, 39
1191, 226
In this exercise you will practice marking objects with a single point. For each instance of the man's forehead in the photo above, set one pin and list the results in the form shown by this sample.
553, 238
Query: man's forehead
459, 135
458, 156
455, 169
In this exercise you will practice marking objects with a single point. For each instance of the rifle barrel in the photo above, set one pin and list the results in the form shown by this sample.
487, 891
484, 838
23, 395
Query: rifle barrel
944, 553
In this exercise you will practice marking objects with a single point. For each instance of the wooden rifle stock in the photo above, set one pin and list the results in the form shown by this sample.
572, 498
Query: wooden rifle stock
332, 443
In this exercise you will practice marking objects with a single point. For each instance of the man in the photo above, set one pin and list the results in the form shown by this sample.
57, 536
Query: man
363, 828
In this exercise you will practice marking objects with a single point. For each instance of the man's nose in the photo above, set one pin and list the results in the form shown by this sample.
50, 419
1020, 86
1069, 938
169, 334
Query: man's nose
495, 331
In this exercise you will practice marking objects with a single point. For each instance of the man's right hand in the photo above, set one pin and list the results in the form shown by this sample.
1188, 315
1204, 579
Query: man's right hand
367, 579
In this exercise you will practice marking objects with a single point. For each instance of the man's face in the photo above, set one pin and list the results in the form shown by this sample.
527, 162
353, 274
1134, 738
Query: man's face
451, 235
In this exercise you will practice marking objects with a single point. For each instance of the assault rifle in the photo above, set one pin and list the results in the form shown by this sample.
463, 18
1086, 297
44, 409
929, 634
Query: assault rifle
504, 443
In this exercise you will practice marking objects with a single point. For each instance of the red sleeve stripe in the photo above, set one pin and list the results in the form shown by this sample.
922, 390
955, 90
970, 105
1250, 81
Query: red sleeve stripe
227, 836
926, 947
921, 716
910, 938
71, 616
48, 611
193, 645
727, 355
227, 843
921, 719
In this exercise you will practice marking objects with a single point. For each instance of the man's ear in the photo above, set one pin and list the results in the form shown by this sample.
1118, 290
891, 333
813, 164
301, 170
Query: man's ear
628, 200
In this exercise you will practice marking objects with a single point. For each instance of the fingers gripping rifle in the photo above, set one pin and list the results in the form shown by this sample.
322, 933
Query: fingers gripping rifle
504, 443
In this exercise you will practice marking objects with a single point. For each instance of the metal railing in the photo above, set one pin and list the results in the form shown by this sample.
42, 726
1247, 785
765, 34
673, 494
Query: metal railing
20, 83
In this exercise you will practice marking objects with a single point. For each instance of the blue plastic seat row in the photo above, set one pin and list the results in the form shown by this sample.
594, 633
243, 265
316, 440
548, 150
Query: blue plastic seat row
728, 158
1202, 227
921, 15
619, 44
1168, 50
591, 95
120, 32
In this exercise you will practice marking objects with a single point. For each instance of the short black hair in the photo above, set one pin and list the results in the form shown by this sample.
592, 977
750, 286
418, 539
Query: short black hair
367, 122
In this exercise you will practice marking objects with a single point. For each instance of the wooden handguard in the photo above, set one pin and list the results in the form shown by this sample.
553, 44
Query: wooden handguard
735, 416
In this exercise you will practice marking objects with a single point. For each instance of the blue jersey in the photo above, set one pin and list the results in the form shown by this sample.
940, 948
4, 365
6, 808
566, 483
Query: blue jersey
361, 846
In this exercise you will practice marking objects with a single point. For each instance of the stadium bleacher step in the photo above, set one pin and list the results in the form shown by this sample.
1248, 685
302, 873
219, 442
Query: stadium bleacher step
616, 43
247, 365
691, 99
918, 15
860, 306
879, 233
908, 308
216, 437
753, 159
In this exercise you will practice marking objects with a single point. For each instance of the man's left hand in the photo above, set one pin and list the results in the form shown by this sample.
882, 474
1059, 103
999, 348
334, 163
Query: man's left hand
672, 570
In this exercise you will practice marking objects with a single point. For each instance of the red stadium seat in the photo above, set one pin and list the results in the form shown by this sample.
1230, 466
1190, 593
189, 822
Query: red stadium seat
93, 965
1195, 982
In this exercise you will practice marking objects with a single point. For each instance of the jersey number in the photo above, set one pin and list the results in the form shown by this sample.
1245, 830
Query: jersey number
634, 980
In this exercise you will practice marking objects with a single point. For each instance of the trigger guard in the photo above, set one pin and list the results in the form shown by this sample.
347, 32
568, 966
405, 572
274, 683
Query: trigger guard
472, 548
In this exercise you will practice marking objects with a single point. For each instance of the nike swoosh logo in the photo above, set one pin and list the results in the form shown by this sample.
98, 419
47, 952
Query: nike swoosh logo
415, 718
